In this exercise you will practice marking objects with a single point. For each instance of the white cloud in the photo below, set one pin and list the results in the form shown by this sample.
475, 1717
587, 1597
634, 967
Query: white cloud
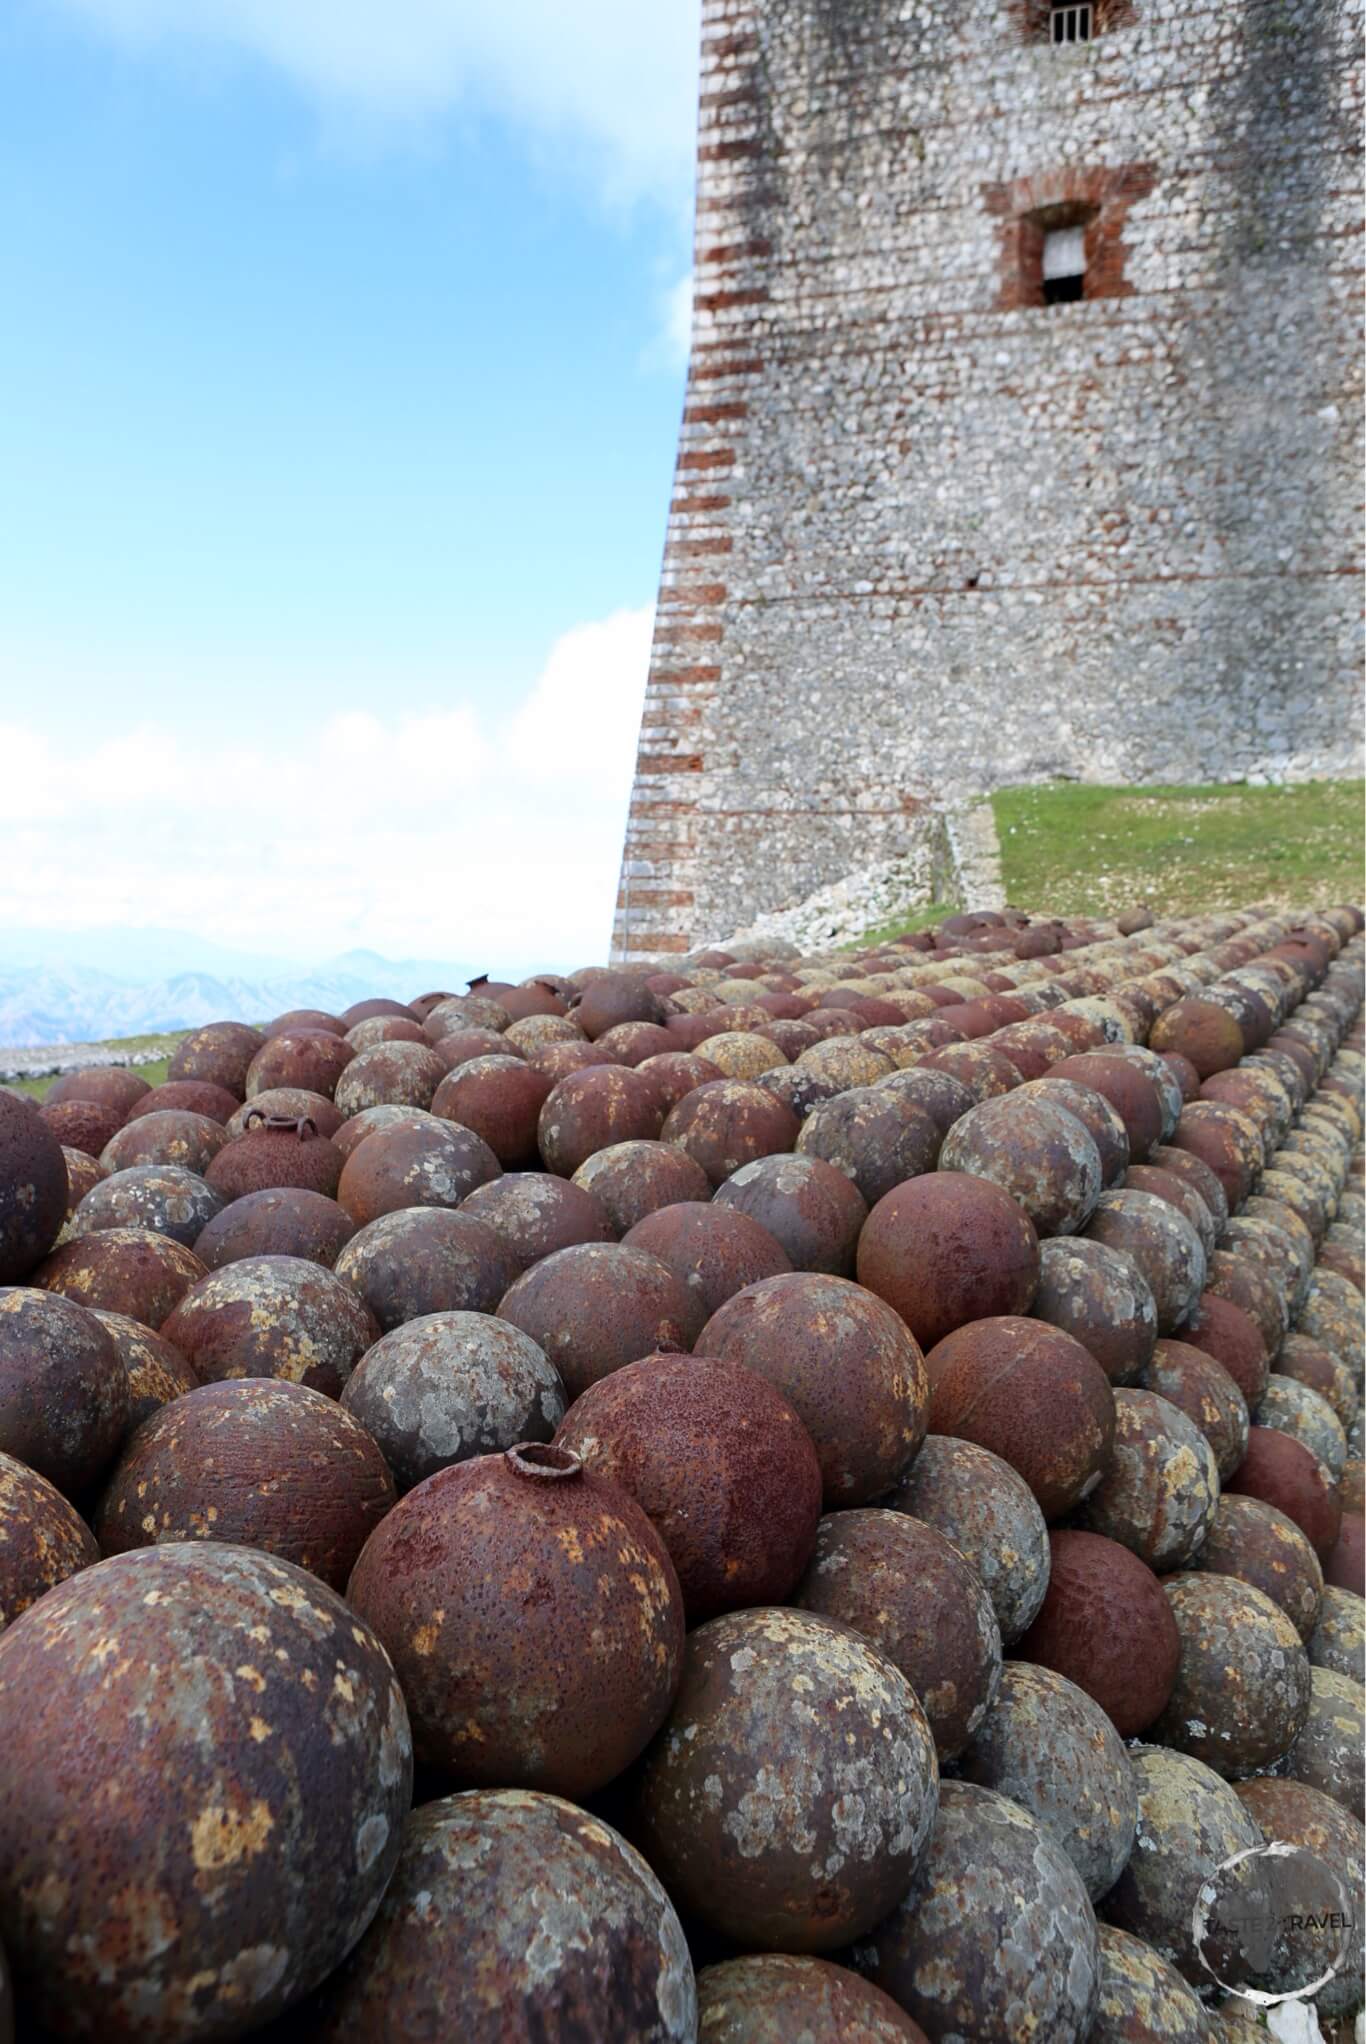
433, 834
616, 76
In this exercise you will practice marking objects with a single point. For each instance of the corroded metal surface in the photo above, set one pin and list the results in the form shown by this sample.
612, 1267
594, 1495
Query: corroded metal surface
43, 1538
1161, 1242
990, 1515
350, 1134
1240, 1281
1241, 1696
1167, 1185
173, 1136
33, 1188
791, 1792
1338, 1641
220, 1053
1143, 1999
1101, 1298
1293, 1813
534, 1213
715, 1249
1202, 1031
1128, 1088
1296, 1410
428, 1164
163, 1197
1107, 1626
1285, 1474
632, 1180
1328, 1753
389, 1075
314, 1059
780, 1997
1160, 1487
811, 1209
729, 1123
589, 1110
500, 1099
597, 1306
534, 1618
156, 1372
272, 1316
1251, 1540
108, 1085
284, 1220
1226, 1139
425, 1260
82, 1124
287, 1103
1035, 1150
1204, 1390
876, 1137
1104, 1126
133, 1271
947, 1248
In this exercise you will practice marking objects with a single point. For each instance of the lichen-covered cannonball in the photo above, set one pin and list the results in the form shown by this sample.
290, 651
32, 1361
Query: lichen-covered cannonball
134, 1271
1143, 1998
1129, 1090
313, 1058
285, 1104
284, 1220
849, 1367
1293, 1813
716, 1250
533, 1214
503, 1901
156, 1372
1241, 1695
1259, 1545
1186, 1166
1051, 1749
1294, 1409
594, 1307
81, 1124
447, 1386
1239, 1280
219, 1053
808, 1206
590, 1110
533, 1616
1160, 1487
1284, 1473
1102, 1123
779, 1997
720, 1462
944, 1098
426, 1260
986, 1071
848, 1060
793, 1787
1190, 1824
1038, 1152
43, 1538
876, 1137
1161, 1242
191, 1141
947, 1248
990, 1515
210, 1766
1203, 1389
631, 1180
1201, 1031
1106, 1625
1101, 1298
1309, 1362
389, 1075
63, 1392
1150, 1178
1338, 1641
33, 1188
1328, 1753
995, 1939
1226, 1139
163, 1197
729, 1123
901, 1584
1033, 1396
431, 1164
272, 1316
259, 1463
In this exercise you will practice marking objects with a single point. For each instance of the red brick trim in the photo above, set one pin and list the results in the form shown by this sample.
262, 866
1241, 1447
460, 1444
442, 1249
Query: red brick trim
1097, 200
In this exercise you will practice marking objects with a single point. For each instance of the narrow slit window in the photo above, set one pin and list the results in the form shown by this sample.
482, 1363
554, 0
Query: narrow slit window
1071, 24
1064, 265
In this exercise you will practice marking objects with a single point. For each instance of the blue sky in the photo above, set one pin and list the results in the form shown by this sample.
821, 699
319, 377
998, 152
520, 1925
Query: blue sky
342, 367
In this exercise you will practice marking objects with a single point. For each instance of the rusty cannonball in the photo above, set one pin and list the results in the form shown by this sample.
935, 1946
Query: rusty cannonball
1284, 1473
208, 1739
33, 1188
793, 1788
903, 1585
1225, 1139
676, 1073
1241, 1695
1128, 1088
1328, 1754
1296, 1410
592, 1109
876, 1137
461, 1045
846, 1363
847, 1060
776, 1997
220, 1053
163, 1197
941, 1096
948, 1248
1338, 1641
809, 1207
1186, 1166
1167, 1185
1203, 1389
376, 1029
1106, 1625
276, 1150
349, 1136
135, 1271
1094, 1112
447, 1386
258, 1463
716, 1250
464, 1937
1158, 1492
190, 1141
436, 1164
995, 1939
1202, 1031
306, 1019
422, 1260
1161, 1242
1101, 1298
597, 1306
1237, 1280
283, 1104
612, 998
533, 1616
500, 1099
82, 1124
1036, 1151
1252, 1541
389, 1075
284, 1220
1310, 1362
533, 1214
156, 1372
1292, 1813
314, 1059
986, 1071
83, 1174
111, 1086
729, 1123
1143, 1997
1049, 1747
43, 1538
631, 1180
990, 1515
272, 1316
720, 1463
1033, 1396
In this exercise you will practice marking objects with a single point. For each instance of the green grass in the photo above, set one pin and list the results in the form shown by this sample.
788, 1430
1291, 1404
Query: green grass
154, 1074
1072, 850
902, 925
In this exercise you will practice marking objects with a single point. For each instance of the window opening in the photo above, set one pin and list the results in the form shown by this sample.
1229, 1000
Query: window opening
1070, 24
1064, 265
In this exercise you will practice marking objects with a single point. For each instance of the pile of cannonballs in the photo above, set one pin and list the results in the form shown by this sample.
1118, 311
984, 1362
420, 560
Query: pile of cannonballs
778, 1499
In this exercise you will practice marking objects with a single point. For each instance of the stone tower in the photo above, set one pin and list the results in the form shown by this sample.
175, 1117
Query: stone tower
1021, 435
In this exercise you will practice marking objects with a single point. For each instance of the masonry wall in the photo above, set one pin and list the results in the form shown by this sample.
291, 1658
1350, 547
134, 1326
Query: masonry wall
929, 535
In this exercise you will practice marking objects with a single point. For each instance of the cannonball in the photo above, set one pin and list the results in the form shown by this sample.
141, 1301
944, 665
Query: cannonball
425, 1260
33, 1188
592, 1109
376, 1029
1283, 1473
305, 1019
351, 1134
797, 1089
730, 1123
948, 1248
736, 1053
1346, 1563
1203, 1389
214, 1752
276, 1152
447, 1386
1227, 1141
986, 1071
1106, 1625
220, 1053
1158, 1493
877, 1138
995, 1939
1032, 1045
81, 1124
612, 998
900, 1583
1338, 1641
111, 1086
314, 1059
389, 1075
1094, 1112
1240, 1281
1293, 1813
1255, 1543
1033, 1396
1101, 1298
596, 1306
716, 1250
1332, 1314
776, 1997
847, 1060
787, 1702
1036, 1151
452, 1956
500, 1099
83, 1174
284, 1220
163, 1197
1142, 1997
1051, 1749
1161, 1242
191, 1141
464, 1011
990, 1515
1165, 1082
270, 1465
1296, 1410
283, 1104
436, 1164
125, 1270
156, 1372
719, 1461
941, 1096
533, 1617
631, 1180
1327, 1754
1152, 1179
272, 1316
811, 1209
847, 1364
675, 1073
43, 1538
1241, 1695
1129, 1090
533, 1214
1201, 1031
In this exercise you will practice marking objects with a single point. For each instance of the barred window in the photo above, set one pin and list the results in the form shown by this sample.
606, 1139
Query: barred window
1070, 23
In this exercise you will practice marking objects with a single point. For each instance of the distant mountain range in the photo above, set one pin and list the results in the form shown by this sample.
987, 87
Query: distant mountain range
51, 1002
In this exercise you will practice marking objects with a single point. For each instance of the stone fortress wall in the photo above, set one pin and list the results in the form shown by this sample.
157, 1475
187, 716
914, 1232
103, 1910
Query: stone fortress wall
930, 534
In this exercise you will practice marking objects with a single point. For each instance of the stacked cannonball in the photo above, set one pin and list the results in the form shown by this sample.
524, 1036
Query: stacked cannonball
770, 1498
